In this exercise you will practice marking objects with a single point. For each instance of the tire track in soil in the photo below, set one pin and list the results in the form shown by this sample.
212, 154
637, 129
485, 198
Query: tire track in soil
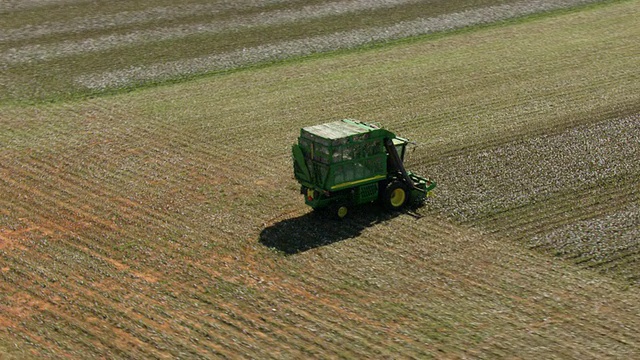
46, 229
80, 189
243, 316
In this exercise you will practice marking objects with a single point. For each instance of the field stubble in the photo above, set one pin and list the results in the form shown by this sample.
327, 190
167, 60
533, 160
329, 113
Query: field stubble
513, 190
136, 225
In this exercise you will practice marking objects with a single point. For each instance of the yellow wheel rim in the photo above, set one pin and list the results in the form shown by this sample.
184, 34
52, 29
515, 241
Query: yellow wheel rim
342, 211
397, 197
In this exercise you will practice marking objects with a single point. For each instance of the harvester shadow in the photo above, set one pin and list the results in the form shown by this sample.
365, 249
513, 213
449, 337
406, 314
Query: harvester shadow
313, 230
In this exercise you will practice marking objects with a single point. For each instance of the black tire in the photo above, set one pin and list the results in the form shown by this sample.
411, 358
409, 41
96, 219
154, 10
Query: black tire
336, 212
341, 212
395, 196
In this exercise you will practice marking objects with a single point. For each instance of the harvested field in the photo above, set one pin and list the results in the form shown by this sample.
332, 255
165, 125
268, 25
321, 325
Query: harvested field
165, 222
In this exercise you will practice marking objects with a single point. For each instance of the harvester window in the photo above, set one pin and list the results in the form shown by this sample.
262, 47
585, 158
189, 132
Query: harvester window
371, 148
401, 146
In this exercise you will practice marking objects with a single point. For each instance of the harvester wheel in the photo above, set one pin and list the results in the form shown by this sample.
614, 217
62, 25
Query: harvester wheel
341, 212
395, 196
332, 212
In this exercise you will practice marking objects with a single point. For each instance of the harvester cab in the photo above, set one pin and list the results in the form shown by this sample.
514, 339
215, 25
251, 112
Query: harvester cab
346, 163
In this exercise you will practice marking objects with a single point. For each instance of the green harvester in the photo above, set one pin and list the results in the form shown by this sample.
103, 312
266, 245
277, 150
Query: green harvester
349, 162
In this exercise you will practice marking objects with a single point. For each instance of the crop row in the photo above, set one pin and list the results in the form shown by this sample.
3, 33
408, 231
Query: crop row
171, 280
494, 180
137, 75
166, 223
184, 40
39, 52
586, 172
